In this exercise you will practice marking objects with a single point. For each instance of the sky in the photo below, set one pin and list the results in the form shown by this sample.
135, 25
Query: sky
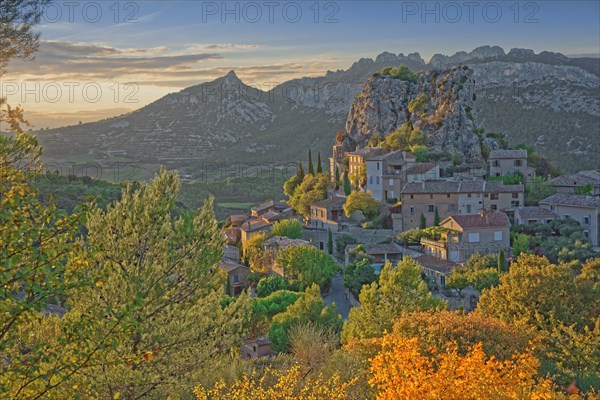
99, 59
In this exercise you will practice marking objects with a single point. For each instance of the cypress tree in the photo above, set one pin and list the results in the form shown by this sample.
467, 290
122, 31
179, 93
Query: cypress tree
300, 171
337, 178
329, 241
436, 218
311, 168
347, 185
319, 165
502, 264
422, 222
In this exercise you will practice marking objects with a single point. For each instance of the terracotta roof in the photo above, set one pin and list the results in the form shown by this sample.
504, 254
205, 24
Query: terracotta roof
270, 204
272, 215
230, 265
282, 241
254, 224
367, 152
481, 220
573, 200
579, 179
444, 267
238, 217
421, 168
511, 154
330, 203
535, 212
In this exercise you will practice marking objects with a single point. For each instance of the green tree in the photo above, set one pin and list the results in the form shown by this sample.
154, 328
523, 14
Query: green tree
319, 165
436, 218
362, 201
264, 309
502, 264
254, 254
347, 185
290, 185
300, 171
307, 265
291, 228
311, 168
155, 294
337, 178
357, 274
271, 284
400, 289
312, 189
329, 242
480, 272
520, 244
308, 308
422, 221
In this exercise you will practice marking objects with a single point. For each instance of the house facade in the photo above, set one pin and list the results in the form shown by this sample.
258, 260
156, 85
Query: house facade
508, 162
485, 232
327, 214
584, 209
533, 215
571, 183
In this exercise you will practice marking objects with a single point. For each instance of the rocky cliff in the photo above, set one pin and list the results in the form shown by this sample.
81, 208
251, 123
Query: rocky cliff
439, 103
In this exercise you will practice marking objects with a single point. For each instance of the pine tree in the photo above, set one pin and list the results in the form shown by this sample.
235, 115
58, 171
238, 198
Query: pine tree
300, 171
436, 218
329, 241
319, 165
502, 264
347, 185
422, 222
311, 168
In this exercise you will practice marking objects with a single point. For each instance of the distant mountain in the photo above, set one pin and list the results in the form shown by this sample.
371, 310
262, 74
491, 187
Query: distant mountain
547, 100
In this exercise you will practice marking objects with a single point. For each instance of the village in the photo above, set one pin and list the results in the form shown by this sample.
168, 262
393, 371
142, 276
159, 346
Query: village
463, 225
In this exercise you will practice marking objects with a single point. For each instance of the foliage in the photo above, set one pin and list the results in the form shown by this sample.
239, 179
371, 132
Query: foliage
511, 179
419, 104
520, 244
341, 241
291, 184
311, 168
436, 329
362, 201
404, 138
559, 306
312, 344
481, 272
402, 73
155, 291
312, 189
585, 190
270, 284
347, 184
414, 236
401, 371
421, 152
399, 289
319, 164
436, 218
329, 241
308, 308
278, 384
253, 252
502, 263
307, 265
422, 221
359, 176
265, 308
291, 228
357, 274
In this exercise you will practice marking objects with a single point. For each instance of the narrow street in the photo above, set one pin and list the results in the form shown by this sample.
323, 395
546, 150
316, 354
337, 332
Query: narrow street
337, 294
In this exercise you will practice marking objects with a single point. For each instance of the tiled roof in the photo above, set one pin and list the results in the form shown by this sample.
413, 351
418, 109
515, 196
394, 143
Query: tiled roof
535, 212
573, 200
230, 265
238, 217
254, 224
460, 186
282, 241
270, 203
272, 215
330, 203
420, 168
579, 179
481, 220
382, 248
512, 154
437, 264
499, 187
367, 152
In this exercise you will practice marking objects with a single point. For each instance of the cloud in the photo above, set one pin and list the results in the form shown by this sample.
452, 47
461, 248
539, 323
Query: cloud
229, 46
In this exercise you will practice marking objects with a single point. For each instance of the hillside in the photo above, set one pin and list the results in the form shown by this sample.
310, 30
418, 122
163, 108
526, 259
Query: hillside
219, 128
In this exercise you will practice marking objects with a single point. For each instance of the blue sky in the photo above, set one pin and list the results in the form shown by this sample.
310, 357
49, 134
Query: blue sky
161, 46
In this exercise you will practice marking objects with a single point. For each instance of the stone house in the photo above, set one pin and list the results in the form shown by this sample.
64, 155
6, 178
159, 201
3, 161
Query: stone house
584, 209
356, 160
273, 245
569, 183
253, 226
436, 269
270, 205
327, 214
485, 232
533, 215
386, 172
378, 253
237, 273
507, 162
259, 347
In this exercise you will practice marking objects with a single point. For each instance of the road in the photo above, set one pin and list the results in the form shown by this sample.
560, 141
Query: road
337, 294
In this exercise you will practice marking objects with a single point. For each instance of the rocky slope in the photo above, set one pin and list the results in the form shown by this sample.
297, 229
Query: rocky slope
546, 99
439, 104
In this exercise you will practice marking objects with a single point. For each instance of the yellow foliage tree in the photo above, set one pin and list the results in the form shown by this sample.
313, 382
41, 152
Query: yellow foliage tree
275, 385
400, 371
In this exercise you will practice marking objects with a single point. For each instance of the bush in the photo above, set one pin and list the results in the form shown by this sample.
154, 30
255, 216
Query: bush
271, 284
361, 201
291, 228
357, 274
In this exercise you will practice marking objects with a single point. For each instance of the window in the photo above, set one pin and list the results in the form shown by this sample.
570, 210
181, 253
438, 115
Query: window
518, 163
392, 194
378, 166
320, 245
567, 216
494, 196
391, 182
468, 208
515, 195
586, 234
493, 207
377, 180
431, 196
586, 220
448, 195
496, 163
430, 208
474, 237
469, 195
515, 203
497, 173
451, 207
236, 279
412, 210
370, 180
412, 196
498, 236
